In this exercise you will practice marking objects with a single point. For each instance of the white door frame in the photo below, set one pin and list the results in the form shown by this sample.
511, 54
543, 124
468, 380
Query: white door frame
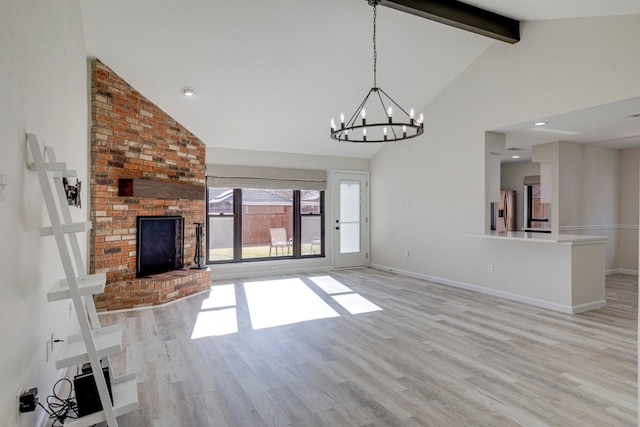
361, 259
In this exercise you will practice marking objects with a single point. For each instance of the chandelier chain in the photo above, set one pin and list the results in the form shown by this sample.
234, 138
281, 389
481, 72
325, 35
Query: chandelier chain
375, 51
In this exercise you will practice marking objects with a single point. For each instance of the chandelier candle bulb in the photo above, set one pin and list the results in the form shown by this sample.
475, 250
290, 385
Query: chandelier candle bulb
404, 131
411, 113
385, 133
341, 120
421, 119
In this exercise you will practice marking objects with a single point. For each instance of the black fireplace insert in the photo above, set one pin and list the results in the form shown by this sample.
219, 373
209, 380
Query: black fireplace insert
160, 244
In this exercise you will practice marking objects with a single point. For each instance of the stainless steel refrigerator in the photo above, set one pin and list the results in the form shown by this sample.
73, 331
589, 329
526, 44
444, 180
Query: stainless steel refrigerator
503, 213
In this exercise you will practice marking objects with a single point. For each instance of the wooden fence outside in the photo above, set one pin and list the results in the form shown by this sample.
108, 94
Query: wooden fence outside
255, 226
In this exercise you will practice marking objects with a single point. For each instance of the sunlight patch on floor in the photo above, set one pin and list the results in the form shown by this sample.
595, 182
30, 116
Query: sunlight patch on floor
330, 285
272, 303
220, 296
214, 323
283, 302
356, 304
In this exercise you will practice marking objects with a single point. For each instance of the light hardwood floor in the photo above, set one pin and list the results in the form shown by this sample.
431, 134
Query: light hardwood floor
433, 356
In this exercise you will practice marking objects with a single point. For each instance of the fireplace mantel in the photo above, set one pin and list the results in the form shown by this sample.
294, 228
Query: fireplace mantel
136, 187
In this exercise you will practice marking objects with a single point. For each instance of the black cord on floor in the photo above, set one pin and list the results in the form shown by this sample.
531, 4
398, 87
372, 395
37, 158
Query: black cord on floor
59, 409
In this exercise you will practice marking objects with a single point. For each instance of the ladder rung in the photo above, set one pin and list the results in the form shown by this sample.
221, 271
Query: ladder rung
75, 227
62, 174
88, 285
108, 341
59, 169
56, 169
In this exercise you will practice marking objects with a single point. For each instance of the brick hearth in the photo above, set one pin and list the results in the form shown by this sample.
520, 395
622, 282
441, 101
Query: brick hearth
132, 138
158, 289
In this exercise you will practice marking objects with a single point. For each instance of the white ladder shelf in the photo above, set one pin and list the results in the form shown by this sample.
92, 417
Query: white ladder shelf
94, 343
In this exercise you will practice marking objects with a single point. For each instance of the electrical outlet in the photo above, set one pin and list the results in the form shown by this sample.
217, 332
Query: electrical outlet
490, 268
27, 401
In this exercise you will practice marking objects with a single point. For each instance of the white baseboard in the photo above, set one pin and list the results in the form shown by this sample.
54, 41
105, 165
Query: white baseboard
621, 271
493, 292
589, 306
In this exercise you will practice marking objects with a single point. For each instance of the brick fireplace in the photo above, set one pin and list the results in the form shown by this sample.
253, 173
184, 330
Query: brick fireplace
143, 163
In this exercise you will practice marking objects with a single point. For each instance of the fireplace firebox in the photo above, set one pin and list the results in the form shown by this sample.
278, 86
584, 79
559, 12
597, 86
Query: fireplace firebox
160, 244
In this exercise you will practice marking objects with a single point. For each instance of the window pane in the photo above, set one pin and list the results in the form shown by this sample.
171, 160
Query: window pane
220, 200
349, 201
349, 216
309, 202
311, 235
349, 238
220, 238
539, 210
267, 223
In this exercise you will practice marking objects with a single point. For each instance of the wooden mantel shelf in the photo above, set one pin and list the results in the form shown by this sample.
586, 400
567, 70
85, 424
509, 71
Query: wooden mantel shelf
135, 187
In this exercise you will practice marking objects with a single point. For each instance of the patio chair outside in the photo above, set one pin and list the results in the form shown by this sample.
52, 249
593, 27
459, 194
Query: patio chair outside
279, 240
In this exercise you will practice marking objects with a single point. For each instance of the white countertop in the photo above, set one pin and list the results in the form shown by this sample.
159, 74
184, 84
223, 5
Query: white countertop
563, 239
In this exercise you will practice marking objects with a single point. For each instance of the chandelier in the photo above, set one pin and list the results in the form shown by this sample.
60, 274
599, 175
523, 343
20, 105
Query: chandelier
384, 126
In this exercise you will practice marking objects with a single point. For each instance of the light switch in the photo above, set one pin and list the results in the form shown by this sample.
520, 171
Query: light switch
4, 181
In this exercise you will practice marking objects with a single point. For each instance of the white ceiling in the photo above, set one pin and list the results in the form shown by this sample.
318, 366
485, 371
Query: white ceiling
270, 75
610, 125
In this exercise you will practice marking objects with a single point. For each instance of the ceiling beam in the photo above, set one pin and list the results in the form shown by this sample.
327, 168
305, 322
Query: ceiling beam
461, 15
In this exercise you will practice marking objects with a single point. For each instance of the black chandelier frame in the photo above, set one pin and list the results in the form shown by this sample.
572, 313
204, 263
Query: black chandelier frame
399, 130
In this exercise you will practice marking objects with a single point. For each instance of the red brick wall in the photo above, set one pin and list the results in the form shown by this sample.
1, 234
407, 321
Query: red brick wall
132, 138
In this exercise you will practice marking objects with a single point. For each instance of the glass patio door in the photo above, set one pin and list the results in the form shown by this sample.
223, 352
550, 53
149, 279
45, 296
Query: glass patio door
351, 227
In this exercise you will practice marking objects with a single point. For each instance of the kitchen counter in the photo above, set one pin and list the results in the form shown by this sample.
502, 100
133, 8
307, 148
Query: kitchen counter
563, 239
562, 272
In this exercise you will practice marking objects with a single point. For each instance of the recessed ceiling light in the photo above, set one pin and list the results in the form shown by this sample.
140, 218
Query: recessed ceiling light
515, 157
188, 91
540, 123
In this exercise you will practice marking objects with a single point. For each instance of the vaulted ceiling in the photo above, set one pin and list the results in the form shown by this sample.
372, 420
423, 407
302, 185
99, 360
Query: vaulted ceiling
270, 75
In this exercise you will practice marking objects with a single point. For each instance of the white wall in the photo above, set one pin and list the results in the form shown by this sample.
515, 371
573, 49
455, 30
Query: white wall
44, 91
559, 66
628, 212
588, 186
598, 195
512, 178
589, 194
225, 156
